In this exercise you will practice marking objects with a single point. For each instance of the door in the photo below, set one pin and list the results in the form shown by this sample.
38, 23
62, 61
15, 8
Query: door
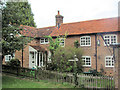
32, 59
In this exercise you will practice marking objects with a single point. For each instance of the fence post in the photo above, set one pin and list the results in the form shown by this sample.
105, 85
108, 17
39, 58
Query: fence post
17, 71
35, 74
111, 82
96, 81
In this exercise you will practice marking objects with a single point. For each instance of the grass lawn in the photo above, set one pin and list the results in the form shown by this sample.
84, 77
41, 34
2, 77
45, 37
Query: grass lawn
17, 82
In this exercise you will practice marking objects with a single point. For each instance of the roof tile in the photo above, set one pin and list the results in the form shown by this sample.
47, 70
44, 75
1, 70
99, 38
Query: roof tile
76, 28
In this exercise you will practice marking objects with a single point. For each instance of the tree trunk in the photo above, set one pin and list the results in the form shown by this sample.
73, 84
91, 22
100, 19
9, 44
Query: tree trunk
2, 57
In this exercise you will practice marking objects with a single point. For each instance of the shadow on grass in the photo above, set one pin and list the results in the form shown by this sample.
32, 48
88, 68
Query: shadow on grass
8, 80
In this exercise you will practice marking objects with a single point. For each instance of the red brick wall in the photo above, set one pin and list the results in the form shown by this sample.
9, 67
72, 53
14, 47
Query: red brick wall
87, 50
102, 52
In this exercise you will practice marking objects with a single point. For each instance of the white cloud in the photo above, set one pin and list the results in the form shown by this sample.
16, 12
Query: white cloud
72, 10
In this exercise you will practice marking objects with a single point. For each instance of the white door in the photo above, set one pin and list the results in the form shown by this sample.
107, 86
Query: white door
32, 59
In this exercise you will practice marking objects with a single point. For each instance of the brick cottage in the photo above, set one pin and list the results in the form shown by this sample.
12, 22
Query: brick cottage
94, 36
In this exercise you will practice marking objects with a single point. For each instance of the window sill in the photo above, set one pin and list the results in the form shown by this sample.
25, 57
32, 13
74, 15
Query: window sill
86, 66
109, 66
85, 45
44, 43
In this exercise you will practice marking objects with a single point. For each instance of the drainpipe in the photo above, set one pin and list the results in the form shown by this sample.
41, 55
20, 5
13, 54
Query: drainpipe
96, 50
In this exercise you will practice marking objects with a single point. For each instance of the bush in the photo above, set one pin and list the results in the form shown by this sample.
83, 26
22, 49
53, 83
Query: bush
51, 66
63, 55
14, 63
94, 72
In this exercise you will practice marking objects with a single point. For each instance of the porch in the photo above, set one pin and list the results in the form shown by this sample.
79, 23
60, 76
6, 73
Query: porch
38, 57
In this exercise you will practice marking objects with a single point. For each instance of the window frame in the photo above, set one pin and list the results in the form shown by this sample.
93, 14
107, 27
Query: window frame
85, 40
60, 42
44, 41
85, 61
9, 56
110, 35
110, 62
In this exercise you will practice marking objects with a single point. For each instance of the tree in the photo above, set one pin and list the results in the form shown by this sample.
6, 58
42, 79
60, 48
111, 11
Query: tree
53, 44
61, 55
64, 54
18, 13
15, 14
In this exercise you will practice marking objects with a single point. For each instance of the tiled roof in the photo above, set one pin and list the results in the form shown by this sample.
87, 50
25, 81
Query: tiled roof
45, 31
88, 27
39, 48
76, 28
29, 31
36, 32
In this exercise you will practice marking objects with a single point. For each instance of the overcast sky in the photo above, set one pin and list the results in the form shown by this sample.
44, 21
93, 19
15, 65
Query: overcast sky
73, 10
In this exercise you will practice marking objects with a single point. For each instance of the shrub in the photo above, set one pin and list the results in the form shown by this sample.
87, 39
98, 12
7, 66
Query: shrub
76, 44
94, 72
63, 55
14, 63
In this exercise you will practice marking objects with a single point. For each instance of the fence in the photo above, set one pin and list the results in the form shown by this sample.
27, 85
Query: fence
87, 81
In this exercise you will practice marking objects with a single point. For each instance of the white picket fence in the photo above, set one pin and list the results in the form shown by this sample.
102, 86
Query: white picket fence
90, 81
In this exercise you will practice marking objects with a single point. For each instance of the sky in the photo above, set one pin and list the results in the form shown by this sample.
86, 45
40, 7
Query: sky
73, 10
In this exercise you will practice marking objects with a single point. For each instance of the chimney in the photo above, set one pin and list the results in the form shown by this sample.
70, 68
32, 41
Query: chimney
59, 19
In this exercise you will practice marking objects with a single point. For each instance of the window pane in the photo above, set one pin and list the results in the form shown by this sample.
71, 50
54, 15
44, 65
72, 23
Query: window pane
85, 41
8, 57
61, 42
46, 40
86, 61
109, 61
113, 39
107, 40
41, 40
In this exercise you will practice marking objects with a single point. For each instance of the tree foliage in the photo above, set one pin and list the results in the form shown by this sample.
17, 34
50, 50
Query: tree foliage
76, 44
54, 44
14, 63
15, 14
62, 57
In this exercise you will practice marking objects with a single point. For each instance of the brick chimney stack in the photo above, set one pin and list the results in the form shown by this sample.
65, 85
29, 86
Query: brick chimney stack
59, 19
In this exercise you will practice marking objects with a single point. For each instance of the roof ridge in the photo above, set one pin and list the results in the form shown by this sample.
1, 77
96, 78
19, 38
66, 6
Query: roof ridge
90, 20
46, 27
73, 22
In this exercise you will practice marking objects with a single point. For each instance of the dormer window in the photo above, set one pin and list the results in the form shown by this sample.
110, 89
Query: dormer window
44, 41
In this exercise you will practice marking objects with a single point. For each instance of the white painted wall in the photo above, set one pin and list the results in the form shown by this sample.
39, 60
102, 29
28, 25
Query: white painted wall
31, 65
